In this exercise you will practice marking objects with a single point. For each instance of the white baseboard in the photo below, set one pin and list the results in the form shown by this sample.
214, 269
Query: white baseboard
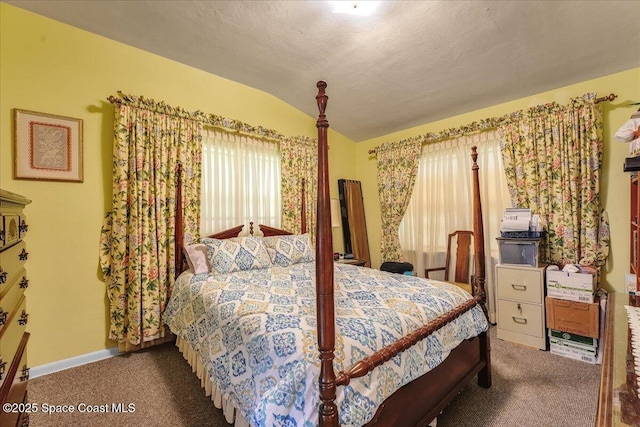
72, 362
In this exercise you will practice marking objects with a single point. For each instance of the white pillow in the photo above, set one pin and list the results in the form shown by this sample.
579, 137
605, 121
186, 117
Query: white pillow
196, 255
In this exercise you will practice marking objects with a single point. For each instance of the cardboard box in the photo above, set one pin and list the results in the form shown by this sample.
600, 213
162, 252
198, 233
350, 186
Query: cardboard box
574, 317
579, 287
562, 348
578, 281
571, 294
576, 339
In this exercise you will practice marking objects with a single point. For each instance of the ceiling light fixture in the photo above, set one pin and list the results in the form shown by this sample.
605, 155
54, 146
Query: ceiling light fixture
359, 8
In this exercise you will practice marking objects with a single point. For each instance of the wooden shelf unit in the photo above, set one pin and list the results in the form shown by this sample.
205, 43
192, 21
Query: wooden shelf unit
618, 403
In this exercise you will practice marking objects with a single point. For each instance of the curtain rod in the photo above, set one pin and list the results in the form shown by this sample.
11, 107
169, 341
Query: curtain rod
610, 97
484, 124
234, 132
206, 118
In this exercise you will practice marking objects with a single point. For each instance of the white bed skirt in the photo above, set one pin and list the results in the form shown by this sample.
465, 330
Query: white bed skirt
230, 414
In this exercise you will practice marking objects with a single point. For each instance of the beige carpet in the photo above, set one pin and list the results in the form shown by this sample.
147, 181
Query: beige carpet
157, 381
530, 388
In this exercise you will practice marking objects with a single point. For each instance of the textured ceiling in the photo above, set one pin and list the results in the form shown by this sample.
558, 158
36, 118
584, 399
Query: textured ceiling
411, 63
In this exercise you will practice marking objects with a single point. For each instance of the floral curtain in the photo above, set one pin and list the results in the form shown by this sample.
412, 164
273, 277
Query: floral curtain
552, 156
137, 243
299, 164
397, 169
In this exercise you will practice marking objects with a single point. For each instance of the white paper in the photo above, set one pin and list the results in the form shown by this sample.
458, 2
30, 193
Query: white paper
515, 219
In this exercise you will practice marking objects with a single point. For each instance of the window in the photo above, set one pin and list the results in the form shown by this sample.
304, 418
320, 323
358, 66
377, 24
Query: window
442, 201
240, 181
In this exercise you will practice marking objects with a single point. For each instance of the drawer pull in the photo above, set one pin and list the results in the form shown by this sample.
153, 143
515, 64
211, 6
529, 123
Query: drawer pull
2, 235
519, 287
3, 317
520, 320
24, 227
3, 276
25, 374
24, 283
23, 255
3, 366
23, 318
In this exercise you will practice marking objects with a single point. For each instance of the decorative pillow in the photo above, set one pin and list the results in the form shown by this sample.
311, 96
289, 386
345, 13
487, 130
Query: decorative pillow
240, 254
196, 255
289, 250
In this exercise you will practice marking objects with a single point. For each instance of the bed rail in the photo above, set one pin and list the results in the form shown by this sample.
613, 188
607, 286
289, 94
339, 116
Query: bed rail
368, 364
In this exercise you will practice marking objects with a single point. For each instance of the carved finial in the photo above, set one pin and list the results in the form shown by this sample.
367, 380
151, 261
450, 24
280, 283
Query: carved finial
609, 98
321, 98
474, 157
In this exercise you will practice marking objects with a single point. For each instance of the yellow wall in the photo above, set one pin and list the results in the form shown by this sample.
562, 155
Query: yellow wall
614, 184
50, 67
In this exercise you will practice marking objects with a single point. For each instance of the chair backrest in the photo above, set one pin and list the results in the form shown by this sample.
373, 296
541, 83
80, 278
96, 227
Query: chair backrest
463, 240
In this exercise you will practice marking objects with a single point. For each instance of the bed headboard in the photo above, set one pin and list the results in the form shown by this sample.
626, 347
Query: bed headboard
266, 230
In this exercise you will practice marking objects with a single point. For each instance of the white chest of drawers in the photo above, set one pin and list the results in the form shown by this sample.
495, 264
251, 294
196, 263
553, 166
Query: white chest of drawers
14, 372
521, 311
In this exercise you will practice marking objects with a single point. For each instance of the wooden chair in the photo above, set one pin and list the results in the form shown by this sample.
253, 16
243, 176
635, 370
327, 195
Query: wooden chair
461, 277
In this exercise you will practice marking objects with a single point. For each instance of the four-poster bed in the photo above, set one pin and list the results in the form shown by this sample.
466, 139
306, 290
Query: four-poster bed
413, 360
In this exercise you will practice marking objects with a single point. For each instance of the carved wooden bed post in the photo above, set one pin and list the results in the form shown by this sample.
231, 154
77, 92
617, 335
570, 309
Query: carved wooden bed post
484, 376
478, 229
327, 411
179, 232
303, 208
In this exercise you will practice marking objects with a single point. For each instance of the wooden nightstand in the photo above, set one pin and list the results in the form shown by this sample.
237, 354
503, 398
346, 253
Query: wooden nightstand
358, 262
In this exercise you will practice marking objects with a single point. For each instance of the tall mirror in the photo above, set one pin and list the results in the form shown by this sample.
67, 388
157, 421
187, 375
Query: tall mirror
354, 225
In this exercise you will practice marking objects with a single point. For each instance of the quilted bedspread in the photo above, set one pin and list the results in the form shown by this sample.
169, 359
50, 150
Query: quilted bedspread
255, 332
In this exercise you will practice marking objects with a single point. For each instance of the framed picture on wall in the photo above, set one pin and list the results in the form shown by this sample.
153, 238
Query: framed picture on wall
47, 147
